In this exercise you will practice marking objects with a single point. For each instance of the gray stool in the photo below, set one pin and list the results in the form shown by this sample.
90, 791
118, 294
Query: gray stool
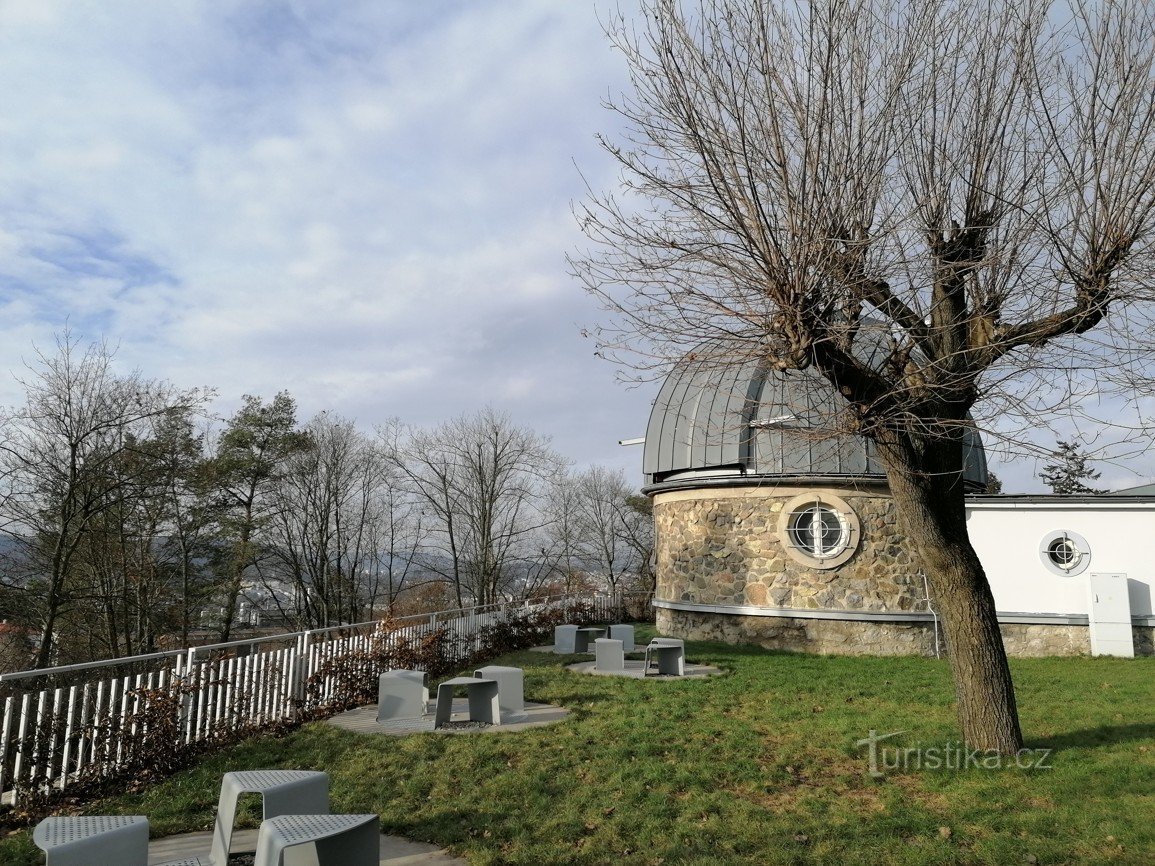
401, 695
624, 633
333, 840
283, 792
510, 689
564, 639
609, 655
95, 839
482, 695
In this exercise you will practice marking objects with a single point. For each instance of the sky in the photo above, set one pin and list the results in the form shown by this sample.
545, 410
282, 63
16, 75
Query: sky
367, 204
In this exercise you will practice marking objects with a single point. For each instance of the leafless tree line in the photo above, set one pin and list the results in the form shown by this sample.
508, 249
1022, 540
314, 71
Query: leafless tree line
131, 520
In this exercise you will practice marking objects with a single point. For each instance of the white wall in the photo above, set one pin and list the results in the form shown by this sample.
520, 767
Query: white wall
1007, 535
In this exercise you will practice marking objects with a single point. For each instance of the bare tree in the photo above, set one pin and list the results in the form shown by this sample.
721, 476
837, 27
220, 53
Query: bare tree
480, 480
938, 207
608, 528
322, 530
66, 464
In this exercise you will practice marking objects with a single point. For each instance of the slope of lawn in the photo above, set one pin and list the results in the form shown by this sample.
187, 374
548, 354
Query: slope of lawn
757, 766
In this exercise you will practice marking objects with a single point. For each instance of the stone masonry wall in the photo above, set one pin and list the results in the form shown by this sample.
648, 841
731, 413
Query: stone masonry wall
721, 547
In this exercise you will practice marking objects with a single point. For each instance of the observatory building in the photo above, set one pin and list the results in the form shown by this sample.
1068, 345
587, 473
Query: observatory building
773, 528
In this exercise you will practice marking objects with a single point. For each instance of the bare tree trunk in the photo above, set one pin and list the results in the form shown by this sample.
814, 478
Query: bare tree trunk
927, 487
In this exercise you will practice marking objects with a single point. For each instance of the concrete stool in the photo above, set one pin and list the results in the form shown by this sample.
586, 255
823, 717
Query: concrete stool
401, 695
510, 689
95, 839
283, 792
565, 639
609, 655
483, 702
671, 656
624, 633
332, 840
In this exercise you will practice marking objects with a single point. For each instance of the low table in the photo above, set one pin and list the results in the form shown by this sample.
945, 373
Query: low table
283, 792
585, 636
94, 839
484, 705
670, 655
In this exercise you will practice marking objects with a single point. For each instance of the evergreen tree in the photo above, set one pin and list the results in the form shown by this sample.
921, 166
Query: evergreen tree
1066, 475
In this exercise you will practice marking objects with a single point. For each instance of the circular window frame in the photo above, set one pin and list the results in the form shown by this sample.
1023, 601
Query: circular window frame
848, 542
1072, 540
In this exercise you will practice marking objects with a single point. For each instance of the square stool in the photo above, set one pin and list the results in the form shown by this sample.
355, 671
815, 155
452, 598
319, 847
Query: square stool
624, 633
564, 639
609, 655
332, 840
401, 695
283, 792
93, 839
483, 701
510, 689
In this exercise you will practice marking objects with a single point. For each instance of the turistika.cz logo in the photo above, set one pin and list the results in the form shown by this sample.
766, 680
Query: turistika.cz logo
948, 756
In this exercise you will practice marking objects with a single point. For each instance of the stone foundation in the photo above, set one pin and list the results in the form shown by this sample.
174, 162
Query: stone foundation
797, 634
850, 637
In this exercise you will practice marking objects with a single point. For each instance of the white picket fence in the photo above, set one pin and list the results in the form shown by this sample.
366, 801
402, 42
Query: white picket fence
64, 723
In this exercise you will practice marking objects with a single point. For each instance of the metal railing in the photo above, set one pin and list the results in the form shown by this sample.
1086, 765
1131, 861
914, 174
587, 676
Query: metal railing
89, 720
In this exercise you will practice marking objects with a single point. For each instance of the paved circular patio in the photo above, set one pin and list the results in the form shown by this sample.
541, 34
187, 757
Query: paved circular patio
363, 720
395, 850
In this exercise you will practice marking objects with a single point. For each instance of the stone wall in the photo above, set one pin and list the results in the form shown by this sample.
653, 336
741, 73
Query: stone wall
721, 546
847, 637
1036, 641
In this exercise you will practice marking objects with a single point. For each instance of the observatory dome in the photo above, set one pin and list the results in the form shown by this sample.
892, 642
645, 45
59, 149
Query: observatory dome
717, 420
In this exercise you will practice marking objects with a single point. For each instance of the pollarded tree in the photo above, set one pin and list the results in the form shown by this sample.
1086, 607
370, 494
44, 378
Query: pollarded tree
968, 188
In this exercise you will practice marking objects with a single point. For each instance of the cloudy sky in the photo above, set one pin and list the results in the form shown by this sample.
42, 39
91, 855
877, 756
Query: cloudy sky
367, 204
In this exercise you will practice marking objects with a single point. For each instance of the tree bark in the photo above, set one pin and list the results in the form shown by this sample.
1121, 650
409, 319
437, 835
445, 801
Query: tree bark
926, 482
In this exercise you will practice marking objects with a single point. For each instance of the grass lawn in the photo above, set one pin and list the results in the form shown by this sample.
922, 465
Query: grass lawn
757, 766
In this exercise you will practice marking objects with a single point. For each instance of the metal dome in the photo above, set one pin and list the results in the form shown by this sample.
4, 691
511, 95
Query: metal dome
716, 419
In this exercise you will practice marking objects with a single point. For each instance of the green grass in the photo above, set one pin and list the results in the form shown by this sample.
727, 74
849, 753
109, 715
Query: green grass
757, 766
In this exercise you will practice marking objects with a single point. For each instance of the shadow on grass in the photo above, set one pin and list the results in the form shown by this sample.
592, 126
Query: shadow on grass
1106, 735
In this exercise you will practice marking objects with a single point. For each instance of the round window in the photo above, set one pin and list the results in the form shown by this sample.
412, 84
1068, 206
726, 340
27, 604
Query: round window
819, 530
1064, 552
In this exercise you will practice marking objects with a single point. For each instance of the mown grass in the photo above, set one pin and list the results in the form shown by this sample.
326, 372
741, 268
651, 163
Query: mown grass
757, 766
